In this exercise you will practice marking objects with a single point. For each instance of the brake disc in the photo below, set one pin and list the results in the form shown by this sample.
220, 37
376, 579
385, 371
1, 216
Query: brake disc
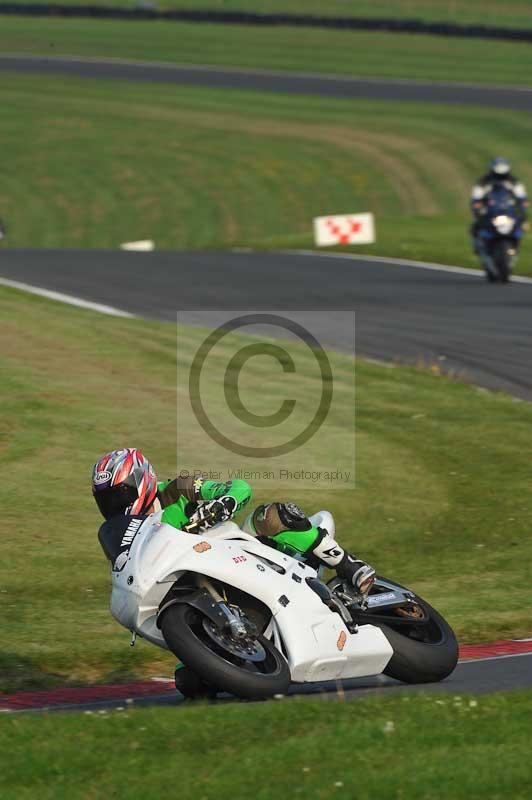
248, 649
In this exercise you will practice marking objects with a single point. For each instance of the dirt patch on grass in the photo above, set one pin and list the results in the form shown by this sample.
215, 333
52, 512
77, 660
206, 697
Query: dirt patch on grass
385, 152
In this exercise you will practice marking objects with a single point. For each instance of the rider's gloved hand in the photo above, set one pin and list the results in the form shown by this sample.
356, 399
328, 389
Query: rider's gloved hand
222, 508
211, 513
360, 574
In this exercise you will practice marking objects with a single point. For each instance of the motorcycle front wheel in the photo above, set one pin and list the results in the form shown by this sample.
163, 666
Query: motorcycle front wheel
252, 669
502, 260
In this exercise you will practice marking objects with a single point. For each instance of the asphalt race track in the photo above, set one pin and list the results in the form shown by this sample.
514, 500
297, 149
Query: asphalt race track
501, 673
286, 82
480, 332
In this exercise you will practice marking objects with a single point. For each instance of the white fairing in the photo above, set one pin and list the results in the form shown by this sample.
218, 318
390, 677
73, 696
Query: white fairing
315, 640
478, 192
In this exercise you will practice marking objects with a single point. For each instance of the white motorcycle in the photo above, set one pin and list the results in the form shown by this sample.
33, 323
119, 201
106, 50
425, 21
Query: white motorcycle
250, 620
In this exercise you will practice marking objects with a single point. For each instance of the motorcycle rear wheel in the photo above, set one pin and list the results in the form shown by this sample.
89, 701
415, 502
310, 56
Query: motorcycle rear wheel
184, 633
422, 654
425, 649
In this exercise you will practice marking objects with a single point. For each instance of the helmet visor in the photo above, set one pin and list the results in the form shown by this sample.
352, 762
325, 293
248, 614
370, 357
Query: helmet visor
115, 500
501, 167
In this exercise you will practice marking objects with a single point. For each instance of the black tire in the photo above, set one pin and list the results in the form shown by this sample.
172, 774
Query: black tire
416, 661
502, 261
182, 629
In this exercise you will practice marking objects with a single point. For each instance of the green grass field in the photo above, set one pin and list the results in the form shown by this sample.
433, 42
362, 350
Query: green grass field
343, 52
96, 163
419, 747
513, 13
443, 500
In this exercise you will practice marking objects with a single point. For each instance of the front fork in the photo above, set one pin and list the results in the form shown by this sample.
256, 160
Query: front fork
233, 622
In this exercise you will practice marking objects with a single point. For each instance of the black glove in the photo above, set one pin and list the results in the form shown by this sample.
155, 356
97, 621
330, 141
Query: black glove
211, 513
222, 508
360, 574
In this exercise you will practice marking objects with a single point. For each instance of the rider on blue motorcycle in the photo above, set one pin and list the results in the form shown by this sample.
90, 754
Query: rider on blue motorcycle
499, 175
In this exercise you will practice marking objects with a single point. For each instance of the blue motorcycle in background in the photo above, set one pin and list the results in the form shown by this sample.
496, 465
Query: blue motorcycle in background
500, 230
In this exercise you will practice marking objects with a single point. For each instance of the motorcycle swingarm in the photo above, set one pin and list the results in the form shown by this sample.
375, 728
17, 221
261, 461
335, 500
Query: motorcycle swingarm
202, 601
362, 617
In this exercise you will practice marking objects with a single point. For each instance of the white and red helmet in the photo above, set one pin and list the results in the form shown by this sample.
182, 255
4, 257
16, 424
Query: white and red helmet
123, 482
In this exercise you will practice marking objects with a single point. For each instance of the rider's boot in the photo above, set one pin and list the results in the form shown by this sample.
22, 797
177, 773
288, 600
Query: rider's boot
191, 686
357, 572
473, 232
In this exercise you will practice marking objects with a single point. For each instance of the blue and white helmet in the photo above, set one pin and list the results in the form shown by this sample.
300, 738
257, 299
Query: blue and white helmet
500, 166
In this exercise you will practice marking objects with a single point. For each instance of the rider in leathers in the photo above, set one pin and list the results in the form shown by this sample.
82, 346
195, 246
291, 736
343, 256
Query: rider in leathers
124, 483
499, 174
